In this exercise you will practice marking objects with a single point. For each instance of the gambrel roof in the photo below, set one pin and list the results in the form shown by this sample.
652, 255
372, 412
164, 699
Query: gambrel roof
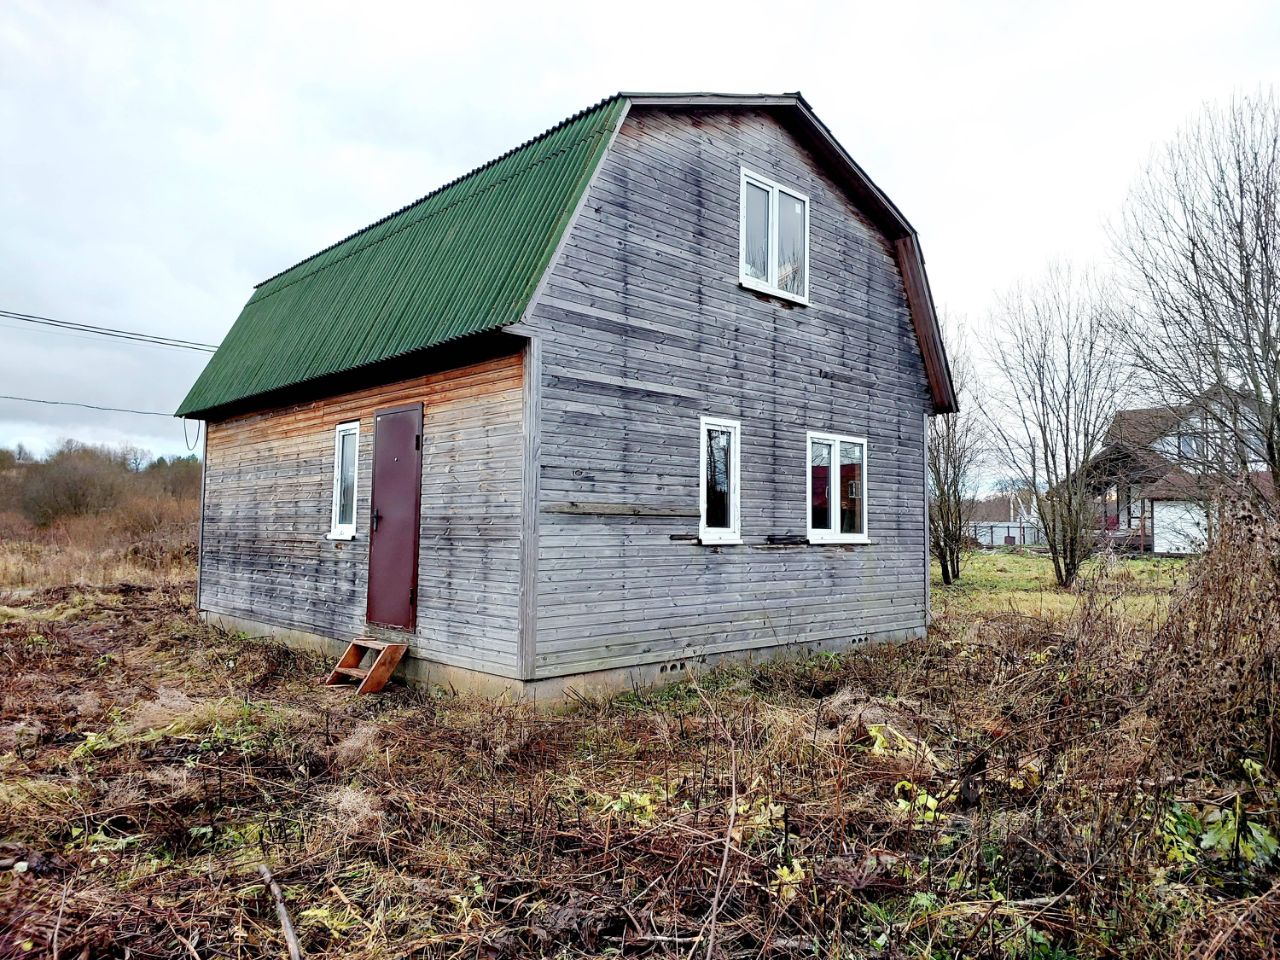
467, 258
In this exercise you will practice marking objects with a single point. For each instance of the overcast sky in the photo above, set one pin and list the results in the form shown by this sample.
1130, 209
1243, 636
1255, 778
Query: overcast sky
158, 159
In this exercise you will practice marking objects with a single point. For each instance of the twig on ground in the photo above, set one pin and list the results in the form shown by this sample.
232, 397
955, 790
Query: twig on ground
728, 831
282, 911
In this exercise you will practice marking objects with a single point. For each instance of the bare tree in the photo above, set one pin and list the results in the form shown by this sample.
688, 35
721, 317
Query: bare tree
1201, 237
956, 449
1060, 383
1021, 500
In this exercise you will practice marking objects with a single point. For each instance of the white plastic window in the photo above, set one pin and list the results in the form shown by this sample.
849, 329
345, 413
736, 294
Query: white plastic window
719, 462
345, 465
774, 244
836, 488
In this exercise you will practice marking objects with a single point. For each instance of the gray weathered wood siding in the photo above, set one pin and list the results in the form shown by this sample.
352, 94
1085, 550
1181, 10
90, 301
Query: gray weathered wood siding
267, 511
643, 327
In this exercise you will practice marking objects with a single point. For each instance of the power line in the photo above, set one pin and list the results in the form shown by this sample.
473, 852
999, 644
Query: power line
68, 334
86, 406
67, 325
108, 331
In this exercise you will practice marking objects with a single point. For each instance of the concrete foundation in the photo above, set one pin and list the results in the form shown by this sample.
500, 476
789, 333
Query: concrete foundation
550, 690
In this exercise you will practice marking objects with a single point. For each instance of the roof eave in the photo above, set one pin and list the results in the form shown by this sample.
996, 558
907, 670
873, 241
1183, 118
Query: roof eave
924, 317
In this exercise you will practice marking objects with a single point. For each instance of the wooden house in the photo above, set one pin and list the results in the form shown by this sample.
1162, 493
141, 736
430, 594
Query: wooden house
1161, 469
648, 390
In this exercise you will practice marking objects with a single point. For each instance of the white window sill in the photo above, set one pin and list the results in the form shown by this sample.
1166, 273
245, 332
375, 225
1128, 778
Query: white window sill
340, 535
820, 540
714, 541
751, 283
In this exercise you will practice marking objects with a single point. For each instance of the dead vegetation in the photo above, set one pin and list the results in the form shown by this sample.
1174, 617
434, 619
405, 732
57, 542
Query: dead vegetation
1090, 786
90, 515
149, 539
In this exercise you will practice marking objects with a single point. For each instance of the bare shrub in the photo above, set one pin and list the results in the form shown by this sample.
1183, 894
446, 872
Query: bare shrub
1214, 667
955, 449
14, 526
98, 515
160, 530
179, 477
76, 480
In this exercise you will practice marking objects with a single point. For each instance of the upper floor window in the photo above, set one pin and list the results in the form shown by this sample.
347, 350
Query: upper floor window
774, 238
837, 485
345, 454
719, 462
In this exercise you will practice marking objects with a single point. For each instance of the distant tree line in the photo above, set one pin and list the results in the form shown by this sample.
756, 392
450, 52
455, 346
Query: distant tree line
79, 479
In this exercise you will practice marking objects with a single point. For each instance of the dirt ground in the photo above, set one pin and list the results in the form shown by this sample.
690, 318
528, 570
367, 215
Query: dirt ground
978, 793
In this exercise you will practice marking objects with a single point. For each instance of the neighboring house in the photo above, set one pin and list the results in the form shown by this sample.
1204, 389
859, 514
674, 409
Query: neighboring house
1154, 479
1134, 456
647, 390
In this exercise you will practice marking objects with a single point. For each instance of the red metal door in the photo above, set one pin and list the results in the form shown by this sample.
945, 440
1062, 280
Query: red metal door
393, 528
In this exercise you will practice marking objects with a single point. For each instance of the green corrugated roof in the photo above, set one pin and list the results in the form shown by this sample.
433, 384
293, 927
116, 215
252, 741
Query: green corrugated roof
463, 259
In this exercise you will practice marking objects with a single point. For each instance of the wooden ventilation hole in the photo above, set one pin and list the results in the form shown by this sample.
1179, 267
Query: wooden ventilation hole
371, 678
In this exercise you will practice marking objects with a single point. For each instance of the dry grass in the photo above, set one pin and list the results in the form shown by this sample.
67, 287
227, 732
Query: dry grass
148, 539
1008, 787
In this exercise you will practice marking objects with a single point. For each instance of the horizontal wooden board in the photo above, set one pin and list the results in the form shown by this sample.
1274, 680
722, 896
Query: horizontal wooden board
267, 511
643, 328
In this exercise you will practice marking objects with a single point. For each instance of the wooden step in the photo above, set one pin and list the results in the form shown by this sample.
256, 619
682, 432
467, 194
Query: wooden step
373, 677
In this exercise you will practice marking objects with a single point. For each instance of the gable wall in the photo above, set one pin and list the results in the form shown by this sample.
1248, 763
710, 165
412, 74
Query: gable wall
268, 493
642, 328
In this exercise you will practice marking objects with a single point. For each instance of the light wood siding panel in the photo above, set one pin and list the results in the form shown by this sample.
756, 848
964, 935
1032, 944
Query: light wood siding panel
267, 510
643, 327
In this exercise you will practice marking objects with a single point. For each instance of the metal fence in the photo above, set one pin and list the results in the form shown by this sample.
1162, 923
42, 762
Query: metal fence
1014, 534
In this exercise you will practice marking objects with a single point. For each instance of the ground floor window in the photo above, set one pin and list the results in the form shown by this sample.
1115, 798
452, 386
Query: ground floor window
719, 461
837, 488
345, 460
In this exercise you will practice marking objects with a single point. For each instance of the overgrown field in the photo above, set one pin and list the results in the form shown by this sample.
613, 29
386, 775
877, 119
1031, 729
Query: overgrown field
1072, 784
148, 540
90, 515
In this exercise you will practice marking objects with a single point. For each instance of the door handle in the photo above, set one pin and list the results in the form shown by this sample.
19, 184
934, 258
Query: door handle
376, 517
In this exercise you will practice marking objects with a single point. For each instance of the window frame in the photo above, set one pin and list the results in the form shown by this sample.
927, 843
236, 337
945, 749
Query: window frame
770, 286
832, 534
733, 533
344, 531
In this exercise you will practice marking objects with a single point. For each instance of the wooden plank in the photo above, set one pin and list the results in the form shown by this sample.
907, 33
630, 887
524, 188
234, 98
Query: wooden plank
204, 501
269, 474
625, 509
644, 328
348, 665
531, 490
376, 676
